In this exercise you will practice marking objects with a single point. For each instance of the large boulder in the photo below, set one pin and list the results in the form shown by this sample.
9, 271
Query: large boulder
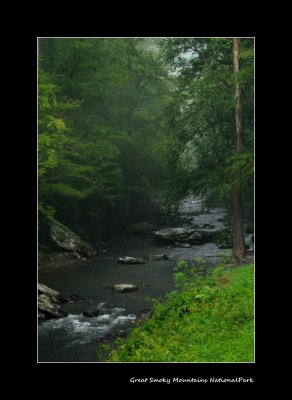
48, 303
49, 309
65, 239
186, 235
52, 294
130, 260
172, 235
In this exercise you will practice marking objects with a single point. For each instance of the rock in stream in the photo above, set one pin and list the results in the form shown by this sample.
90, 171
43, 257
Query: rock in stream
172, 235
49, 303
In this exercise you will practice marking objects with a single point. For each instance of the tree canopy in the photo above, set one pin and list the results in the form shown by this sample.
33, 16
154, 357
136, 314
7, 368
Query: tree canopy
100, 127
200, 145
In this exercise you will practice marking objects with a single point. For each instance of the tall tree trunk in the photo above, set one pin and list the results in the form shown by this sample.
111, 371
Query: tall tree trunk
239, 248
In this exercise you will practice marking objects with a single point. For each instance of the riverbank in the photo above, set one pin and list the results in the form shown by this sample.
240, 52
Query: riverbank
114, 246
76, 337
206, 319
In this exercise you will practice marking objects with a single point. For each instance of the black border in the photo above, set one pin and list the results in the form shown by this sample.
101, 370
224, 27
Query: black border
105, 373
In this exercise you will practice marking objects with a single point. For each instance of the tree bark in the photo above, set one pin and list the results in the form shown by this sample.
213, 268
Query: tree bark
239, 248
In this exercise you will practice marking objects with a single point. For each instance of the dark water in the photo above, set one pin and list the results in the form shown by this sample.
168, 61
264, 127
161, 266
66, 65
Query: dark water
75, 338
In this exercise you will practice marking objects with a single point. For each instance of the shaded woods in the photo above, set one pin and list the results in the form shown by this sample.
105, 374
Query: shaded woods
101, 127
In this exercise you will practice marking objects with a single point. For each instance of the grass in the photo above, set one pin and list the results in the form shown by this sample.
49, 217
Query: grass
205, 319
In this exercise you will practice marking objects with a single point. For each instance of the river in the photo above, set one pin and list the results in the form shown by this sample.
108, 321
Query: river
76, 338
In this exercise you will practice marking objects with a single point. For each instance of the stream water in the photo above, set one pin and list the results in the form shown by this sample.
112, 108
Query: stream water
75, 338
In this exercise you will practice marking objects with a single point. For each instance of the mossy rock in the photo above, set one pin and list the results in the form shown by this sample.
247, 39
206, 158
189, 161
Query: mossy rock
66, 239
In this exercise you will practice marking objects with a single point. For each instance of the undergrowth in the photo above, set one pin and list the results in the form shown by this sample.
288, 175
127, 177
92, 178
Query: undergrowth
207, 318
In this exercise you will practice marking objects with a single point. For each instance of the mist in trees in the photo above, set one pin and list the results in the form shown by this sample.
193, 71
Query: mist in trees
101, 126
121, 119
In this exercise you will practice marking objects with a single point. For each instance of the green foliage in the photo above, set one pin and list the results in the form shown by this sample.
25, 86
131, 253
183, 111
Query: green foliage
46, 211
225, 256
100, 127
206, 319
200, 146
225, 236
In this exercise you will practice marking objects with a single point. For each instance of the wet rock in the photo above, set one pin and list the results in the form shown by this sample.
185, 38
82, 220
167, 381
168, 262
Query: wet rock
52, 294
50, 308
49, 303
130, 260
220, 220
195, 238
91, 313
124, 287
172, 235
201, 236
156, 257
65, 239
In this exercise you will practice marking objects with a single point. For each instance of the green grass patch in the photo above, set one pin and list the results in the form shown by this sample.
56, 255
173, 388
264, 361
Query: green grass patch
205, 319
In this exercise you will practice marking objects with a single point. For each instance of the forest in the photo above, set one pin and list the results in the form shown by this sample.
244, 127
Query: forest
145, 199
